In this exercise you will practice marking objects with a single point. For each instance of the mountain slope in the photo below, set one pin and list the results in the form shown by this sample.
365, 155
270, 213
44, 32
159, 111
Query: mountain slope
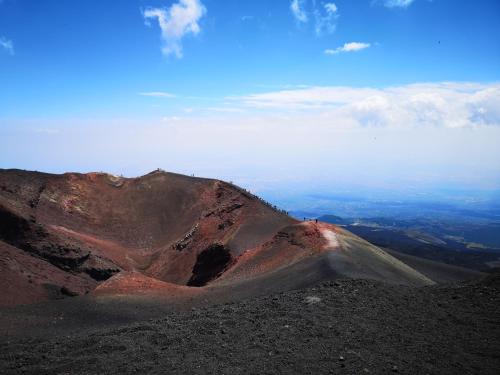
345, 327
165, 233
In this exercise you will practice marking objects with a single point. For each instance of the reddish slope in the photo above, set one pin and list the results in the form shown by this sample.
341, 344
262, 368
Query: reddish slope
161, 233
27, 279
96, 225
346, 256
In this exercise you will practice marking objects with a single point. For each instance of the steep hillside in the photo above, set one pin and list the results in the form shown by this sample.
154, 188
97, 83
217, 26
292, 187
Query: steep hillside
179, 236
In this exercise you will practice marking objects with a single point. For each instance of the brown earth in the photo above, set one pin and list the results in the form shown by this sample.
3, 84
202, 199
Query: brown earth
340, 327
166, 273
94, 226
74, 234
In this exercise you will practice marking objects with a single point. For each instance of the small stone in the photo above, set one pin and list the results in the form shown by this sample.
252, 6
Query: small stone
312, 300
341, 358
394, 368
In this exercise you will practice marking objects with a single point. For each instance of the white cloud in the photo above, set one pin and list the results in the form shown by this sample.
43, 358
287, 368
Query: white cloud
331, 137
297, 8
446, 104
348, 47
7, 45
397, 3
158, 94
175, 22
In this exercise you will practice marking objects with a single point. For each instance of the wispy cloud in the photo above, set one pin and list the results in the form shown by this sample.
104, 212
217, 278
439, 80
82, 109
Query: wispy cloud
445, 104
396, 3
348, 47
325, 15
158, 94
326, 19
7, 45
180, 19
297, 8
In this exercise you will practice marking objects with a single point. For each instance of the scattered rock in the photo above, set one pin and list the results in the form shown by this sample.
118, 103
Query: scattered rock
311, 300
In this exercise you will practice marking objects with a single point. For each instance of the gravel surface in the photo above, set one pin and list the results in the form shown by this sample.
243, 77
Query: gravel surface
345, 327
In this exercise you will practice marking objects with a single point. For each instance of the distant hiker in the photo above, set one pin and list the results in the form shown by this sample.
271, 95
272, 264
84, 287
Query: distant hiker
316, 221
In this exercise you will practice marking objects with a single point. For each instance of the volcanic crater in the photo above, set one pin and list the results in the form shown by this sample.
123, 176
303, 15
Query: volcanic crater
169, 235
165, 272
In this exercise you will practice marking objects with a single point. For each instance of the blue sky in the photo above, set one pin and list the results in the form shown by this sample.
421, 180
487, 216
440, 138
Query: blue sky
260, 92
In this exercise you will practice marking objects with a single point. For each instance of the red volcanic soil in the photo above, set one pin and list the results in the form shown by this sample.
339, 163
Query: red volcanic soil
166, 234
289, 245
27, 279
90, 227
135, 283
166, 273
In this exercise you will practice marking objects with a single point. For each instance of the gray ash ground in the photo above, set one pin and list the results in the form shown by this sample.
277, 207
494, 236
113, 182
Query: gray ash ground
342, 327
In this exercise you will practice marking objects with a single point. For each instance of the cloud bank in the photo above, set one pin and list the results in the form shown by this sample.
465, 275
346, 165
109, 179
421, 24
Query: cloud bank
445, 104
179, 20
424, 134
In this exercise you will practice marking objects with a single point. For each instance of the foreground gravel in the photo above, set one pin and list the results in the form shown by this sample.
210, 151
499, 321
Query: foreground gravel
344, 327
